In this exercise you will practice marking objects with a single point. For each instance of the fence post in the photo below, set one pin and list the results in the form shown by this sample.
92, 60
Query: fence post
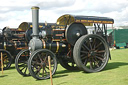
49, 60
2, 62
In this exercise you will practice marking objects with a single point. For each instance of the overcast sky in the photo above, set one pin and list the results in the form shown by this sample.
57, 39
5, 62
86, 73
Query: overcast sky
13, 12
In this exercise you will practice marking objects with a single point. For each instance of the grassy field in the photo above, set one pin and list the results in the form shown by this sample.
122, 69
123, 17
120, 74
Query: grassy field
115, 73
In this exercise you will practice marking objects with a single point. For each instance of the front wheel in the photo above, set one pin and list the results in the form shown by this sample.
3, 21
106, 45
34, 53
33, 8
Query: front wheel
21, 62
91, 53
38, 64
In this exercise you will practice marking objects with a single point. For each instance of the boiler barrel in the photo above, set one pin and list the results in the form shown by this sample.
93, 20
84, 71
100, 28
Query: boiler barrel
16, 44
54, 46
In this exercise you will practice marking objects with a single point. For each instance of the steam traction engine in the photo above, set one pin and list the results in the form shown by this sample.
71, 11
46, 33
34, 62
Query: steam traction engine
14, 40
69, 41
11, 42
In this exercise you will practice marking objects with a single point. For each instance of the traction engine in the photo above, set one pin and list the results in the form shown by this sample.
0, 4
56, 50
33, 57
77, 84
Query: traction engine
67, 42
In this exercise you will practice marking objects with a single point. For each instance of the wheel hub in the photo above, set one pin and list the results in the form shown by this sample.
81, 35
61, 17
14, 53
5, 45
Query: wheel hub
92, 53
43, 64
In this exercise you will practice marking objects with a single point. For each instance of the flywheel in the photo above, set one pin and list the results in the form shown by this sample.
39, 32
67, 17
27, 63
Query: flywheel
74, 31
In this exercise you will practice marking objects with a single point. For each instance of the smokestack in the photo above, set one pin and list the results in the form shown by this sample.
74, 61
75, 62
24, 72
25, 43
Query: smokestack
35, 43
35, 21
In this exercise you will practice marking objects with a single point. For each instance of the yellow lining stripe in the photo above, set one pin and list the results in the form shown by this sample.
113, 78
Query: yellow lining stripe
57, 46
44, 43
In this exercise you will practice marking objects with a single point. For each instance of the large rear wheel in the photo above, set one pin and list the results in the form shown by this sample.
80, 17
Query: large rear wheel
91, 53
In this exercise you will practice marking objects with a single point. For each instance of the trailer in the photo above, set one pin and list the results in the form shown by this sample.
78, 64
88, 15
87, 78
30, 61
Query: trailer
120, 38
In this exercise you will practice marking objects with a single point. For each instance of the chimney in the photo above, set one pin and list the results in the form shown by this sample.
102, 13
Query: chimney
35, 21
35, 43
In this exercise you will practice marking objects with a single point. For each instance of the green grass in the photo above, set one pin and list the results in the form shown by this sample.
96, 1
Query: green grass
115, 73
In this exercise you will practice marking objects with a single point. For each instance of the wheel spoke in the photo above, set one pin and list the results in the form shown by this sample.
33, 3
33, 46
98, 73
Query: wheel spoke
91, 64
93, 44
85, 62
96, 63
22, 69
101, 51
38, 70
98, 45
45, 60
100, 55
40, 58
48, 67
5, 57
84, 52
85, 47
99, 58
21, 65
84, 57
25, 70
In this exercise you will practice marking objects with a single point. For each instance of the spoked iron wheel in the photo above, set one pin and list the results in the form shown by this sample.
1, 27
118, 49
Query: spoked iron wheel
21, 62
91, 53
7, 59
38, 64
69, 65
